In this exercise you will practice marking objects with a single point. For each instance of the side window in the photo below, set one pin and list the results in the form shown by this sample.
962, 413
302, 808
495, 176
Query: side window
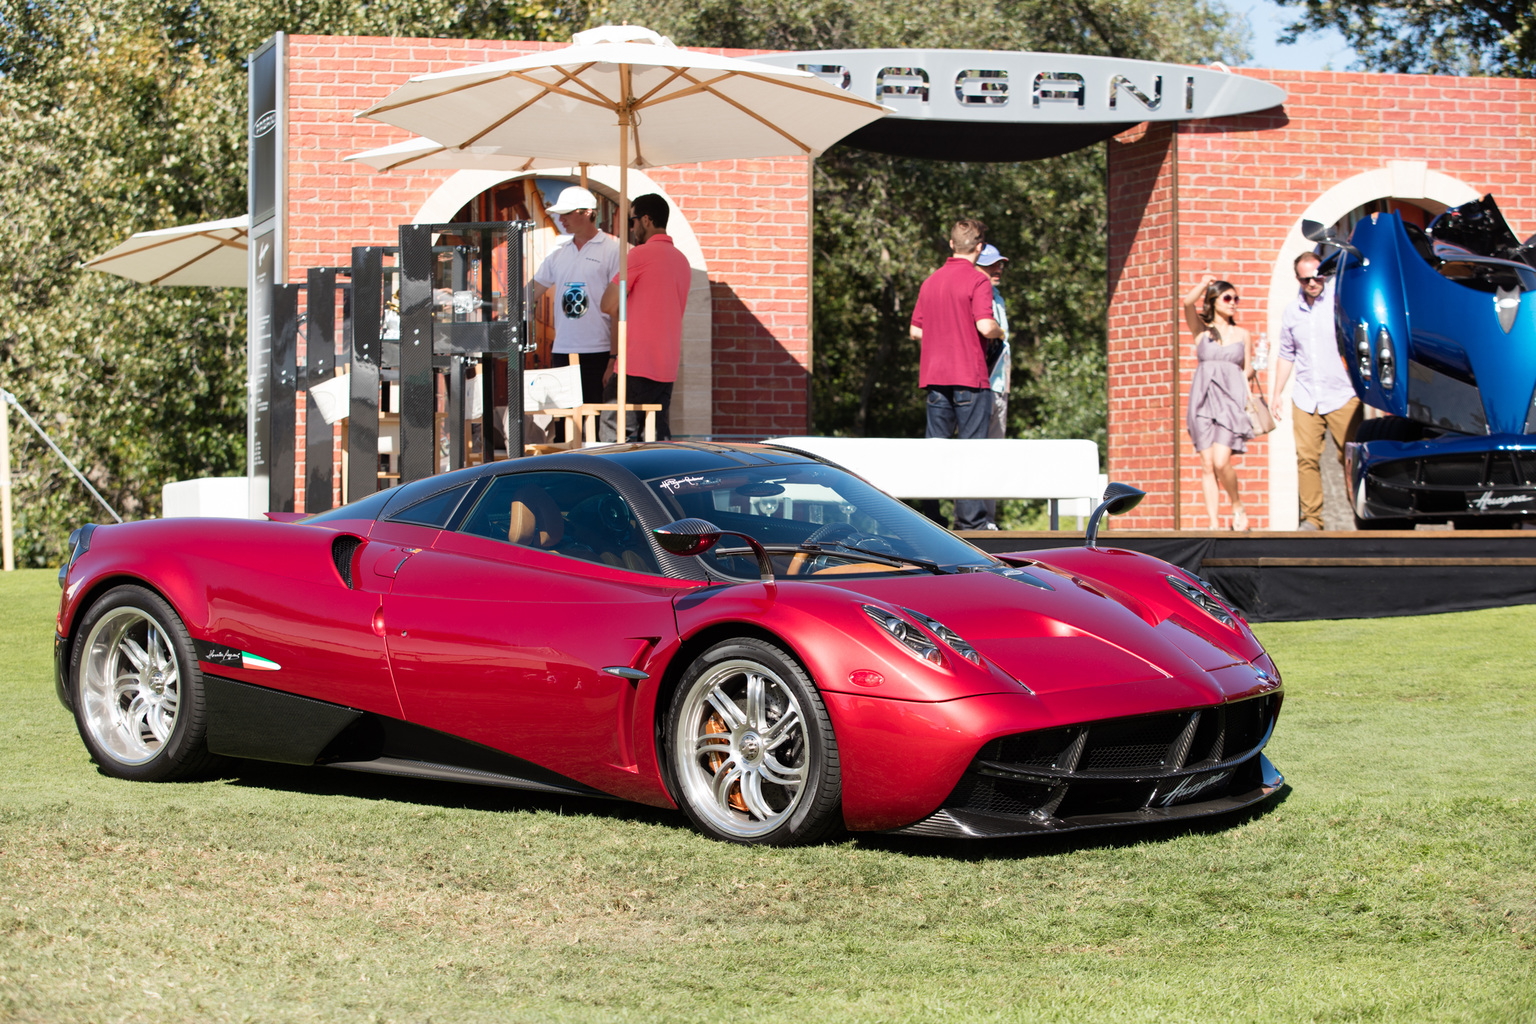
433, 511
570, 514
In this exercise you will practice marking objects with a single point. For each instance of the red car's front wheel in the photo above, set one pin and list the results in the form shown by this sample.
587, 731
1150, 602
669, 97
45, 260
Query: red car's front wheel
751, 747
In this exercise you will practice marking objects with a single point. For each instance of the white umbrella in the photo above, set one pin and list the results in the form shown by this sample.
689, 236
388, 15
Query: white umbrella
624, 95
424, 154
212, 254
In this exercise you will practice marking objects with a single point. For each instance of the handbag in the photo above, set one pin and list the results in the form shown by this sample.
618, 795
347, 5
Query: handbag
1258, 412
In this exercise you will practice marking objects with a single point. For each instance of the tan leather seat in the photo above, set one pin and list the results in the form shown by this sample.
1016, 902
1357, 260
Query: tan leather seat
536, 521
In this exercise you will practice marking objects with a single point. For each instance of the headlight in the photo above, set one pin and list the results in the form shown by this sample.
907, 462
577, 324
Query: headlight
918, 642
1385, 359
948, 635
1209, 604
906, 634
1363, 351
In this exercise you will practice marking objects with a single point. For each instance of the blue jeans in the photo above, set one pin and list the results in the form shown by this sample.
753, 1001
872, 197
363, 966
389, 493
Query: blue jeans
954, 411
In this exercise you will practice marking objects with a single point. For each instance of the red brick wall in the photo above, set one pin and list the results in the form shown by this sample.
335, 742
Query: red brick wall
1240, 186
1141, 384
751, 216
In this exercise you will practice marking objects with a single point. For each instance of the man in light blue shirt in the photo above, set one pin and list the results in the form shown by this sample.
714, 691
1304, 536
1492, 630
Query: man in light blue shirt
1324, 399
1000, 371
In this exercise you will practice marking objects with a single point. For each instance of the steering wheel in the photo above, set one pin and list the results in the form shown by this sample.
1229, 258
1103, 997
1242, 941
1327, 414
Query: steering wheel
803, 563
613, 513
832, 531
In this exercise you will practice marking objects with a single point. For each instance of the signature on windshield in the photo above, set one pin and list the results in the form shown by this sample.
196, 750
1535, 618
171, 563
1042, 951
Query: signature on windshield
678, 483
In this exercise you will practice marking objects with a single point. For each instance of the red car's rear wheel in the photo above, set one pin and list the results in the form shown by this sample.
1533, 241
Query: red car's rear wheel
751, 747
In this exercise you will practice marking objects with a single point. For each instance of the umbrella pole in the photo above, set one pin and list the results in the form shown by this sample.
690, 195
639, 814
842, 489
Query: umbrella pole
622, 433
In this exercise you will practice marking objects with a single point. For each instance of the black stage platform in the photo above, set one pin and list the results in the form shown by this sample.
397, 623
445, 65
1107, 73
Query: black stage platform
1285, 577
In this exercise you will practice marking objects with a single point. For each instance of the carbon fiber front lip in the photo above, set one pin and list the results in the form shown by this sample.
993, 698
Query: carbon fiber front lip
955, 823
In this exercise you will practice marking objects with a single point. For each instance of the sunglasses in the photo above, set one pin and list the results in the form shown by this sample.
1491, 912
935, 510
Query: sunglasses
1308, 280
1234, 299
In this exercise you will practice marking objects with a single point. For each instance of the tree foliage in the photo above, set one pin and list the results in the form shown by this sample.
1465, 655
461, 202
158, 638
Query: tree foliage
1466, 37
119, 116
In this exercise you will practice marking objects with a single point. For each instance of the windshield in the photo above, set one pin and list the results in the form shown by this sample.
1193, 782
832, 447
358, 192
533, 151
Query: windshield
788, 507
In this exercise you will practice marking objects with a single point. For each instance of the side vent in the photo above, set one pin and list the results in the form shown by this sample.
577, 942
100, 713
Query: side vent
342, 550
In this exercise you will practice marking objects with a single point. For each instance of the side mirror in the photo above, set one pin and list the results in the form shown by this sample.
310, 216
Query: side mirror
1315, 232
696, 536
1118, 499
687, 536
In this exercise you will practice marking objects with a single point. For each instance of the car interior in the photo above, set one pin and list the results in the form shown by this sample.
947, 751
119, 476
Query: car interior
570, 514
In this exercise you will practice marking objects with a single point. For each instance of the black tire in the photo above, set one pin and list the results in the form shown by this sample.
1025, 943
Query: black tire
772, 776
137, 689
1388, 428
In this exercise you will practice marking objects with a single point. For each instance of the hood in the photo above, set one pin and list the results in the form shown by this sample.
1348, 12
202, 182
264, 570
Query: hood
1053, 632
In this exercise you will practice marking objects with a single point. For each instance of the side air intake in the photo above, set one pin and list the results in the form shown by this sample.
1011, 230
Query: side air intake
342, 550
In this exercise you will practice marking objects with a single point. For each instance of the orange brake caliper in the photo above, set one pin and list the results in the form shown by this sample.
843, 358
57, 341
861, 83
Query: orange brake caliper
716, 725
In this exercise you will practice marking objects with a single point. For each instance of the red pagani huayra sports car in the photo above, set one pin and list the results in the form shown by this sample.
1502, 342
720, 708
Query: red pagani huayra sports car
746, 632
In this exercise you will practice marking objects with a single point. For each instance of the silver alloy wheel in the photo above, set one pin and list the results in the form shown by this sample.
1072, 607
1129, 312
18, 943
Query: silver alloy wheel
742, 751
130, 685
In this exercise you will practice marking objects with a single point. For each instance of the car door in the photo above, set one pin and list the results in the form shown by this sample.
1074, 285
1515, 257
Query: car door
504, 640
285, 615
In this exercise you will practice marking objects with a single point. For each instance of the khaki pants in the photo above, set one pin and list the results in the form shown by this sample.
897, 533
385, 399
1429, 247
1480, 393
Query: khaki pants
1310, 429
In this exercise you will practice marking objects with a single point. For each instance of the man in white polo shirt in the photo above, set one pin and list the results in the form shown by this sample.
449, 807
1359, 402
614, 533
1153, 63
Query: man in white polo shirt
579, 270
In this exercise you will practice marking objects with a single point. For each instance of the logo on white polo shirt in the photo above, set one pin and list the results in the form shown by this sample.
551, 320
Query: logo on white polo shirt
574, 300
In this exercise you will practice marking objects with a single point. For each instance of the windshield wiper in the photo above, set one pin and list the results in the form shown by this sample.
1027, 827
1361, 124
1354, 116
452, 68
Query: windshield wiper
836, 550
921, 563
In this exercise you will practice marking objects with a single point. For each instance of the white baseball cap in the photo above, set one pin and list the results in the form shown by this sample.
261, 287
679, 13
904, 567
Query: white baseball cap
990, 255
573, 197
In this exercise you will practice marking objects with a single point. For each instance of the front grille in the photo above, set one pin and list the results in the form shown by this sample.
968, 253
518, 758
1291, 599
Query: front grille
1132, 745
1455, 484
1120, 765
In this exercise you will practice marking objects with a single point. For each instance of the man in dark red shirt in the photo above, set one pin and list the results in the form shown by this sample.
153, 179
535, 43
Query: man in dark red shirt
659, 277
953, 320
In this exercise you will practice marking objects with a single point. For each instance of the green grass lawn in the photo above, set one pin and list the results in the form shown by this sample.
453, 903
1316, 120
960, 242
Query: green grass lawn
1396, 880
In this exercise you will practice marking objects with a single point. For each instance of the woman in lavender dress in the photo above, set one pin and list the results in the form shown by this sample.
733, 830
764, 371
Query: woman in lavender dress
1218, 395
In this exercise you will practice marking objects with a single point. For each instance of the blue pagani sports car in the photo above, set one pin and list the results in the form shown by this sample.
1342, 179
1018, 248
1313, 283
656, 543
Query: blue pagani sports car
1437, 327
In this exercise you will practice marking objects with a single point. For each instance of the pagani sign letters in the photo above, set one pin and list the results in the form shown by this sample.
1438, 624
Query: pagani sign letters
991, 86
983, 86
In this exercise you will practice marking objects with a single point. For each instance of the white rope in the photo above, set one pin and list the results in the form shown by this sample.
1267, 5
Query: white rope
10, 399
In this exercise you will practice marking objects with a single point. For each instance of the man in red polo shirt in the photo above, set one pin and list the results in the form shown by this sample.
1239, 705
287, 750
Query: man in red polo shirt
953, 320
659, 276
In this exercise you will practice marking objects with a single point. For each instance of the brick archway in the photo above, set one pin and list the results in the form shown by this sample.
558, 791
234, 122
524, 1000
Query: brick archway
1407, 180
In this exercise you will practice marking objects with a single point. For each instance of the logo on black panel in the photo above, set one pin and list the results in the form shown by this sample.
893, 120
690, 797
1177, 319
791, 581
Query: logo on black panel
218, 654
264, 124
574, 300
1489, 500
